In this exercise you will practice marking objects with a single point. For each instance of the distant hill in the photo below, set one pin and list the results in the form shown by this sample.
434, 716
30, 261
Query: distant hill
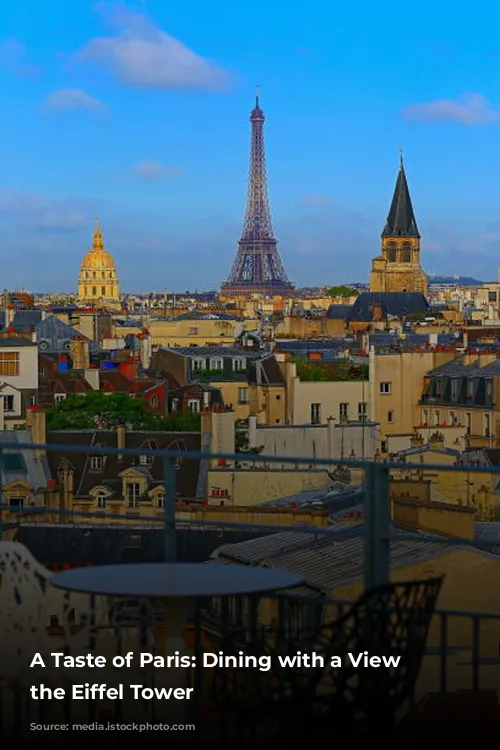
458, 280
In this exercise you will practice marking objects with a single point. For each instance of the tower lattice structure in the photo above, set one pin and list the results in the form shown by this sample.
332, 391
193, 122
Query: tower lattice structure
257, 268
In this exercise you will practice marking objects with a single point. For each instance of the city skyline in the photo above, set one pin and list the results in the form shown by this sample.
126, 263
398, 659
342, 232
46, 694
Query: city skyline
140, 115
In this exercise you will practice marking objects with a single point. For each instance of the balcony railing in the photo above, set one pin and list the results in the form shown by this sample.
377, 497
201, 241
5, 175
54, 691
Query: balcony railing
463, 649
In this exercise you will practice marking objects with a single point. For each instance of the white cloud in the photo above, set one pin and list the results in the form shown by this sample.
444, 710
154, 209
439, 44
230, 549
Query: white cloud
72, 99
470, 109
314, 200
34, 211
155, 170
142, 55
14, 56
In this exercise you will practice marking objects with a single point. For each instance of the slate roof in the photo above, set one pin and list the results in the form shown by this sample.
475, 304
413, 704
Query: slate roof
15, 342
396, 304
327, 562
214, 351
22, 465
86, 478
401, 220
115, 544
456, 368
54, 336
338, 312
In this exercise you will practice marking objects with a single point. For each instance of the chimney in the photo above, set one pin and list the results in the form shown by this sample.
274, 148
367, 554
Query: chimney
470, 357
416, 440
121, 439
36, 422
145, 351
91, 375
487, 357
436, 441
80, 353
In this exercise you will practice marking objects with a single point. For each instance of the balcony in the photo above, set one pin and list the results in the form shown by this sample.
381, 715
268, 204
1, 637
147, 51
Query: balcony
337, 564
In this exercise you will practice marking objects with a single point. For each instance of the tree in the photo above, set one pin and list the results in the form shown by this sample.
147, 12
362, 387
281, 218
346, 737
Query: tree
342, 291
96, 409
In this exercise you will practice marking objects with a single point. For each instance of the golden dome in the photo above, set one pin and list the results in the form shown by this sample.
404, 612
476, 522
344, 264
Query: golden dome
98, 258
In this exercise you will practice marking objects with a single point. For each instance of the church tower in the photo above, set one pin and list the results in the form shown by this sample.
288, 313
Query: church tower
397, 268
98, 280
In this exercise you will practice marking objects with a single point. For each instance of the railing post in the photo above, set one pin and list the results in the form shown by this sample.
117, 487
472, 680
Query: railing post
377, 524
170, 507
1, 494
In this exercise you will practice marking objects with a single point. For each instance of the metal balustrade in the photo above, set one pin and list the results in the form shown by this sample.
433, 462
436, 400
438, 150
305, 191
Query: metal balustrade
452, 664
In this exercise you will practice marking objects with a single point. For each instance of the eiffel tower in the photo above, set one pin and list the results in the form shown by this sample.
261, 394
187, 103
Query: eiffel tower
257, 268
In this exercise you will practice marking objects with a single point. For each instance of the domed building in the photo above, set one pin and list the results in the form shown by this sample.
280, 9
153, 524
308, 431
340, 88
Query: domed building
98, 281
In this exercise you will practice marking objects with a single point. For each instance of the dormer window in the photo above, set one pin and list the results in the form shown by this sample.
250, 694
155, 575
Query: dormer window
489, 391
454, 389
199, 364
96, 463
216, 364
146, 460
239, 365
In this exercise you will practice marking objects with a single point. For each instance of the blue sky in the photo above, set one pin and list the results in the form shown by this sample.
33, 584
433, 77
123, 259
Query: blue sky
139, 114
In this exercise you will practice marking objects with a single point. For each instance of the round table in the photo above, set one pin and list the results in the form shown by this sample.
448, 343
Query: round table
177, 584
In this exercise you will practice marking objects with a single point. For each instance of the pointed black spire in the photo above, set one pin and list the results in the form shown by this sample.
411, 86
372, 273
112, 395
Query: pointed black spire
401, 221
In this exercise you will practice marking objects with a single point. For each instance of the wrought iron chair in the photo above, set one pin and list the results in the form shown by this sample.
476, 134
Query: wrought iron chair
390, 620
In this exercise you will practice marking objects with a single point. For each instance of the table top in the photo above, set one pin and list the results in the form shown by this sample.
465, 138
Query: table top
174, 580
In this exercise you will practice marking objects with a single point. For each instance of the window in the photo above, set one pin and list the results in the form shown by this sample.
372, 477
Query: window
454, 389
193, 405
362, 411
492, 297
216, 364
175, 404
391, 252
385, 388
390, 416
133, 494
101, 499
9, 364
59, 397
96, 463
453, 418
160, 500
153, 401
243, 395
103, 291
437, 417
489, 391
315, 413
383, 446
199, 364
32, 400
94, 290
487, 426
406, 255
16, 503
468, 420
8, 403
425, 416
146, 460
193, 331
344, 411
239, 365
